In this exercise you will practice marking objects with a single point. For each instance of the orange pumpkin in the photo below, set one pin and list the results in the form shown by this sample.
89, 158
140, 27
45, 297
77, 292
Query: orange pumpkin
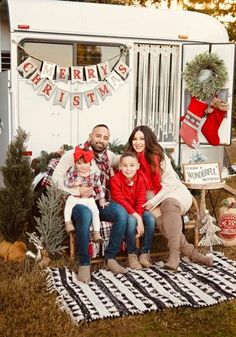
4, 249
13, 251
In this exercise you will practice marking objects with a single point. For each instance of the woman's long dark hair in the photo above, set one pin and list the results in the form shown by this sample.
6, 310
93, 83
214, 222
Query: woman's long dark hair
152, 147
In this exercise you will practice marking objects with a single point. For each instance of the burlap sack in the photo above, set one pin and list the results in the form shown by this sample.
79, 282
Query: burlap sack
227, 222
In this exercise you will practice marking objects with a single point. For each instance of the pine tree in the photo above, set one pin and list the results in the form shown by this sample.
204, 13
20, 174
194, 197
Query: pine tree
50, 224
16, 197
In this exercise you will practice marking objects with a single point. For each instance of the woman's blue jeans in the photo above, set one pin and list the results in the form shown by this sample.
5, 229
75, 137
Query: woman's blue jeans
82, 218
149, 227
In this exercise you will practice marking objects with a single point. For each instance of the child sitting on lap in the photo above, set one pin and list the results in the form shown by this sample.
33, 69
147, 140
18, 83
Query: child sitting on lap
80, 175
128, 189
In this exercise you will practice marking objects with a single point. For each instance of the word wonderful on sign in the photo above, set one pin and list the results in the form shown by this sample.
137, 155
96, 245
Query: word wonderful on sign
202, 173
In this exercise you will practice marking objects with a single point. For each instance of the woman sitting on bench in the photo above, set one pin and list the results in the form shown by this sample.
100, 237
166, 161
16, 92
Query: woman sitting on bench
167, 198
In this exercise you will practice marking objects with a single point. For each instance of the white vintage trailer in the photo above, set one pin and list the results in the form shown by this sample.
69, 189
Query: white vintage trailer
68, 34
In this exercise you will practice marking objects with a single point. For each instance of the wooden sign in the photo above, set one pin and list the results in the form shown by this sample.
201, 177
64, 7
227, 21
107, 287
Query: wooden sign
202, 173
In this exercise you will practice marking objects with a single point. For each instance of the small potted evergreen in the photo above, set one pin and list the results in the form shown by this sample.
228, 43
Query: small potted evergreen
50, 224
16, 199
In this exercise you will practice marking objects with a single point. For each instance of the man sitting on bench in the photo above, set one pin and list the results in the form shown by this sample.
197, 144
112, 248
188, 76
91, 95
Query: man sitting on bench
105, 161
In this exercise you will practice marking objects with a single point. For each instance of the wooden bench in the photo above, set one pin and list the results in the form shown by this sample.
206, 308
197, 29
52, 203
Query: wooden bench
193, 224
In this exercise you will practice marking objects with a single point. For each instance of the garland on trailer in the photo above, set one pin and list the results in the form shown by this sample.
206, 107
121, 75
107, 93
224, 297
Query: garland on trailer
44, 78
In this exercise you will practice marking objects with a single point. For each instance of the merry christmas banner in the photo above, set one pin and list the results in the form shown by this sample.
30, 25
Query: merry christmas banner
46, 80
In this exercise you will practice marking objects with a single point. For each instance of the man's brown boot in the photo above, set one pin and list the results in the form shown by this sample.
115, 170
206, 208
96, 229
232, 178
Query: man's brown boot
84, 274
115, 267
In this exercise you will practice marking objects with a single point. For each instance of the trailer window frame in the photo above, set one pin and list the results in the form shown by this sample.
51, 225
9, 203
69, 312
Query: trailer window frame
75, 44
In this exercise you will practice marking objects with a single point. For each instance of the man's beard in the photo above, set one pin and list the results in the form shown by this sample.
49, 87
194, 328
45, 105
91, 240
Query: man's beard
96, 148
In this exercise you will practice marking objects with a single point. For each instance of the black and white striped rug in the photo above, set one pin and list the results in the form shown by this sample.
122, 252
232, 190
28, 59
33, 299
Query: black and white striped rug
142, 291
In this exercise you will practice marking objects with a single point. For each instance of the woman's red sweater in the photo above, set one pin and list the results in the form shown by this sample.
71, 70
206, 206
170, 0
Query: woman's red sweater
152, 179
130, 196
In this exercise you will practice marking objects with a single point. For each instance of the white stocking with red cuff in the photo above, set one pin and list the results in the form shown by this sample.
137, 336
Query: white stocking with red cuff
190, 122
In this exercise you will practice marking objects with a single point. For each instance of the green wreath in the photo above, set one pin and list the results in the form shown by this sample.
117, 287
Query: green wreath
205, 75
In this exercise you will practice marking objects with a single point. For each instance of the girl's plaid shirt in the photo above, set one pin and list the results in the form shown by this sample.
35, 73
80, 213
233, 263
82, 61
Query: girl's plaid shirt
92, 180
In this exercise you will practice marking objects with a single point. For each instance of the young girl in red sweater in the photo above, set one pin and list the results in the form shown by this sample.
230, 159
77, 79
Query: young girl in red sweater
128, 189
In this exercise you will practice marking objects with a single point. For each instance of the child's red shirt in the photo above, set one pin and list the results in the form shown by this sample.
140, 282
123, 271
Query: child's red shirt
130, 196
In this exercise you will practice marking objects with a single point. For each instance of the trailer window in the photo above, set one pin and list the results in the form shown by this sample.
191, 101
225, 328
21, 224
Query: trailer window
87, 54
70, 54
61, 54
155, 98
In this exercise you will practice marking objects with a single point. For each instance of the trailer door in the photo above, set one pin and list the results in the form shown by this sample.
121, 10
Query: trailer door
227, 53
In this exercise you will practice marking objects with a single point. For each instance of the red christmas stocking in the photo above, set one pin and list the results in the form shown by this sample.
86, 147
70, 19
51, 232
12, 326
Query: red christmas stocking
189, 127
211, 126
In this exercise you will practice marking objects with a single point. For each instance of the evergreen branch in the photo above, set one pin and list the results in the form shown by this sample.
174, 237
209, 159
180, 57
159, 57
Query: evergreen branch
51, 222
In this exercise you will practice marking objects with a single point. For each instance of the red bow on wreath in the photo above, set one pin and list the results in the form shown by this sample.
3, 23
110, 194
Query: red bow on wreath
87, 155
